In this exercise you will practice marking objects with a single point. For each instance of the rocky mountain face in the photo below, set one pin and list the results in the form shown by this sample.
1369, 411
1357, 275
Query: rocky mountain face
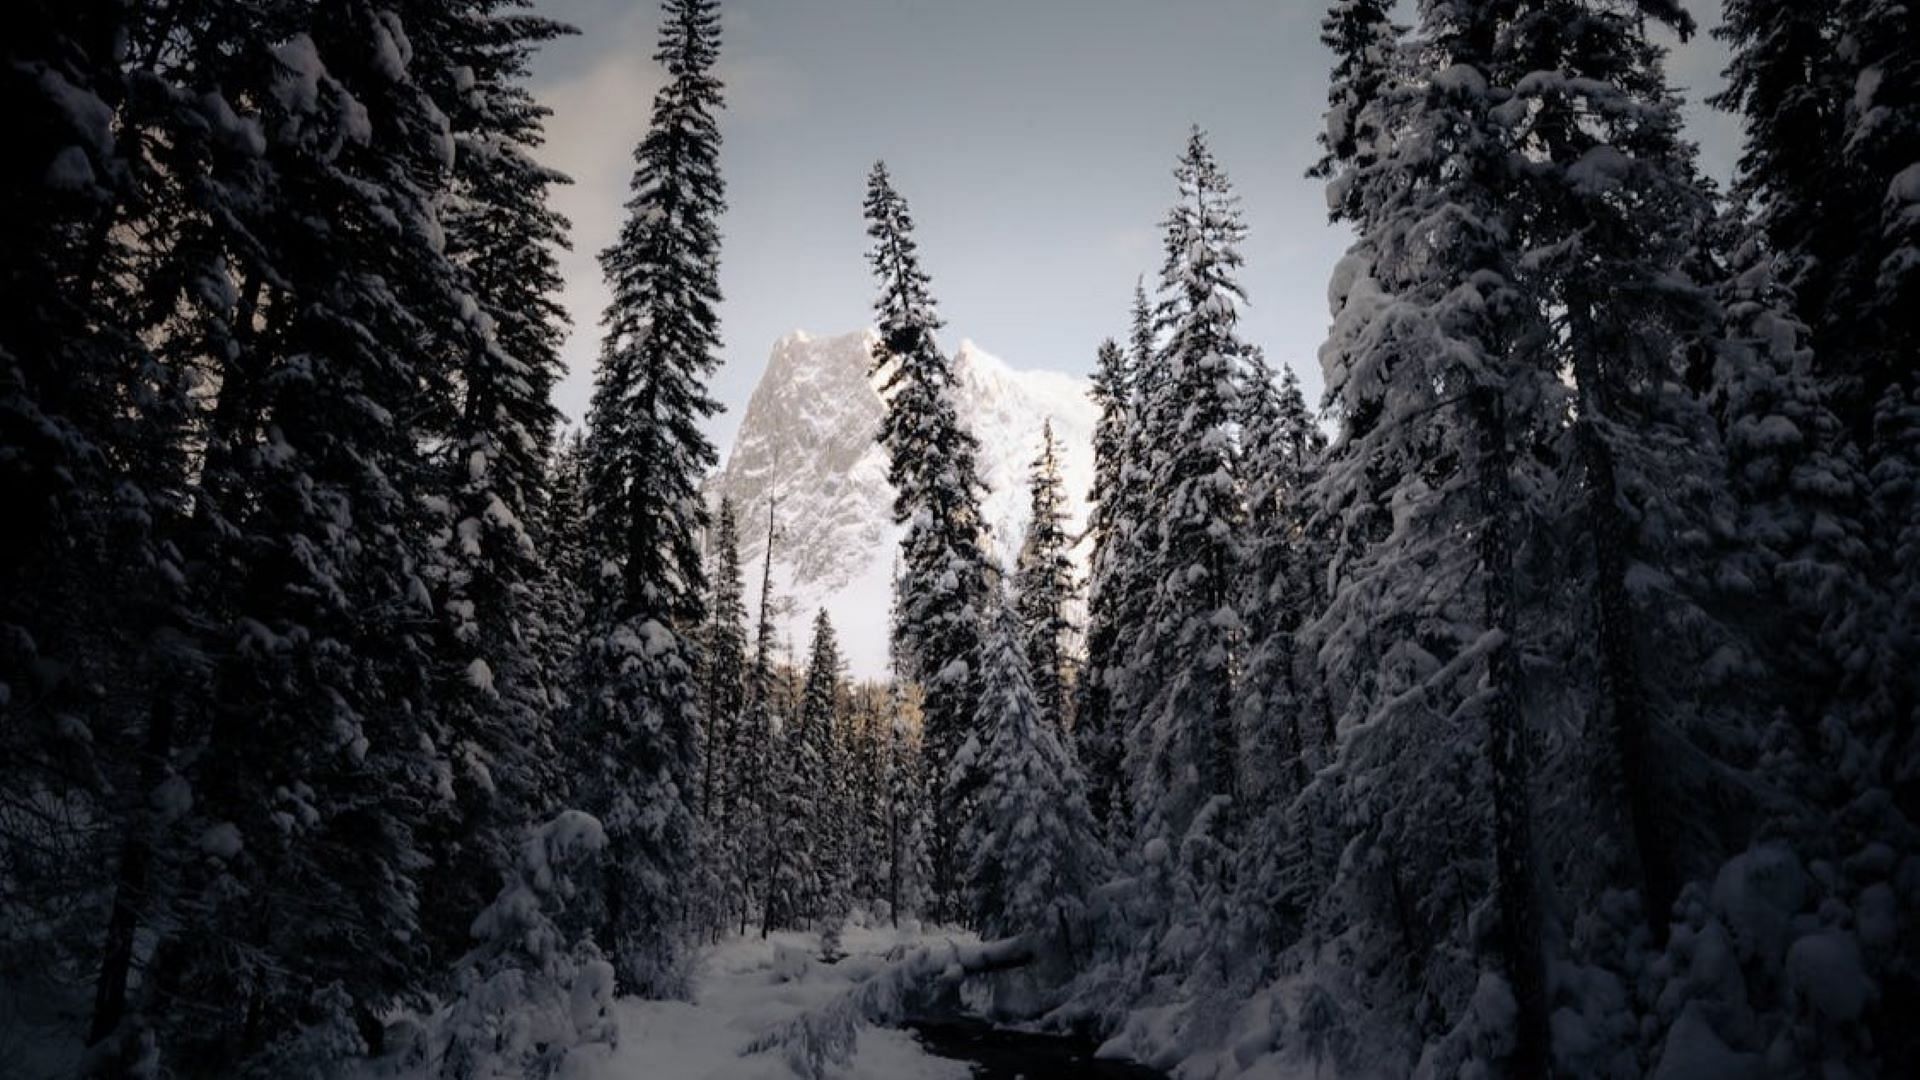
806, 446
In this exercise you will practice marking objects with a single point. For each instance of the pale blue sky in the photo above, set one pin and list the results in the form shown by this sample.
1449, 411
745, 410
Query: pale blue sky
1034, 140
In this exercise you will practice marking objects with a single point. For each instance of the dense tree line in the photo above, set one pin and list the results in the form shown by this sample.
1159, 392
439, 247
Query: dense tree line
1557, 713
1545, 705
293, 621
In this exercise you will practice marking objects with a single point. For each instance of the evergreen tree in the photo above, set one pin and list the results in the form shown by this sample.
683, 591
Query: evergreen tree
1034, 850
933, 467
646, 458
1279, 717
494, 701
759, 804
723, 707
1426, 367
95, 597
340, 339
809, 840
1096, 732
1180, 751
646, 451
568, 570
908, 814
823, 719
1827, 93
1043, 584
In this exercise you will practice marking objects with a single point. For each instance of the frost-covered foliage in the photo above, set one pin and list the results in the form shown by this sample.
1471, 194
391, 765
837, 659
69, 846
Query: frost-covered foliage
1033, 848
1177, 691
529, 994
1096, 729
639, 718
933, 464
724, 745
1043, 584
804, 858
646, 456
820, 1042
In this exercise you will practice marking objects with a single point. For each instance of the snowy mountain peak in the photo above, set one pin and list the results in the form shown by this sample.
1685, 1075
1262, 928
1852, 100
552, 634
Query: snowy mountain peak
807, 442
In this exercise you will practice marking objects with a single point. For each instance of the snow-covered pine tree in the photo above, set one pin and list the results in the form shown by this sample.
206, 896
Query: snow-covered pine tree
1803, 555
1127, 568
932, 462
1284, 728
1043, 583
95, 600
335, 322
1033, 848
1361, 35
494, 701
1279, 720
908, 810
646, 458
1644, 467
725, 689
1179, 681
758, 806
1096, 731
1882, 146
807, 836
529, 994
823, 723
1827, 93
1429, 372
569, 569
868, 722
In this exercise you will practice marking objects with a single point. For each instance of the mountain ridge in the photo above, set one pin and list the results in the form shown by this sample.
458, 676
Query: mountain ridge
808, 443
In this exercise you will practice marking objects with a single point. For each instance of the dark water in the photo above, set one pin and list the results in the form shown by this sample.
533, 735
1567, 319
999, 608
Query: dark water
999, 1054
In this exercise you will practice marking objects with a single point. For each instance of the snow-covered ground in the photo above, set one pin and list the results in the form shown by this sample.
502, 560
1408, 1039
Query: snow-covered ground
748, 986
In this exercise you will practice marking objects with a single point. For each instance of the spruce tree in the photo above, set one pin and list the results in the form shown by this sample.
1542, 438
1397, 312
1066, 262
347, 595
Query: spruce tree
1428, 372
96, 599
1096, 732
495, 700
937, 491
1827, 94
1033, 847
1278, 716
723, 707
1043, 584
1127, 567
1180, 751
908, 813
321, 763
823, 721
646, 459
754, 761
806, 835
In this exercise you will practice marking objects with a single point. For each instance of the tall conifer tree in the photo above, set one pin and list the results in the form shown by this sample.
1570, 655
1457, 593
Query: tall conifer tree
646, 458
1096, 730
1428, 373
1043, 583
1180, 680
944, 575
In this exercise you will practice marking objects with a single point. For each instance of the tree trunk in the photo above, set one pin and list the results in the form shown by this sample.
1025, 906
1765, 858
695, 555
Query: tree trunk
1507, 755
130, 890
1622, 684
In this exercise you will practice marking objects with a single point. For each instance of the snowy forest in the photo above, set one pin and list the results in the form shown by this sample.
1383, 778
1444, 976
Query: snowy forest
1541, 702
